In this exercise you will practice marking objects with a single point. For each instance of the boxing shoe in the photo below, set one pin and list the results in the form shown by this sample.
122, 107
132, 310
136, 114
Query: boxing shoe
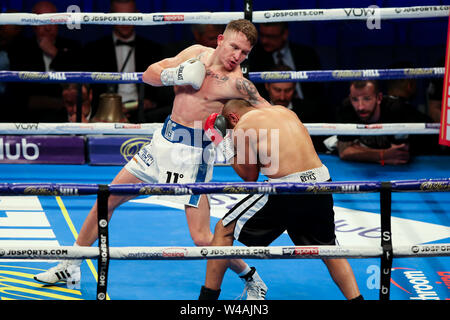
255, 288
67, 270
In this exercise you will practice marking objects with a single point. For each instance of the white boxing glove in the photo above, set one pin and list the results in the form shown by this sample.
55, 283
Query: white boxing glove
191, 72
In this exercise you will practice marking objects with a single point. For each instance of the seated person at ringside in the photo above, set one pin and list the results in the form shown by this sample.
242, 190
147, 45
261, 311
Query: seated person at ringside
367, 105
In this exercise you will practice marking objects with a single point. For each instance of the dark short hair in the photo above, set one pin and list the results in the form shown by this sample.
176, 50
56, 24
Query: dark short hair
359, 84
201, 28
282, 25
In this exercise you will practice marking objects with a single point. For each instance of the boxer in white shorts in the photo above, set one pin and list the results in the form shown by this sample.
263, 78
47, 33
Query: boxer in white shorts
203, 79
176, 154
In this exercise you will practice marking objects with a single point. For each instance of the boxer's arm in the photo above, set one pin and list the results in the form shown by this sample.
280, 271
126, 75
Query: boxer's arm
241, 88
245, 161
152, 75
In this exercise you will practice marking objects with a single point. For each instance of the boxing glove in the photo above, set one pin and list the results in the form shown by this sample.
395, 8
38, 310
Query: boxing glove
191, 72
215, 127
216, 130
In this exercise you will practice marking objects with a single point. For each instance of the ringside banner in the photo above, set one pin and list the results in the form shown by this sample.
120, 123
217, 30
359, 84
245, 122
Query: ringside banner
42, 149
118, 150
114, 150
444, 135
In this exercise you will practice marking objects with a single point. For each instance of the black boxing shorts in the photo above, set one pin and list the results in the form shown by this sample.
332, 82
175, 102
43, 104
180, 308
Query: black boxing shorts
307, 218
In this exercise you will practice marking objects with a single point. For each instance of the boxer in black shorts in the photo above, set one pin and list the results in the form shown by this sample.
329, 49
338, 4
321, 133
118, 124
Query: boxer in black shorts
308, 220
274, 142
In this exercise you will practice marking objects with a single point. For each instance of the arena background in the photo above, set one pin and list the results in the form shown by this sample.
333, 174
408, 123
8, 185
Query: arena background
339, 44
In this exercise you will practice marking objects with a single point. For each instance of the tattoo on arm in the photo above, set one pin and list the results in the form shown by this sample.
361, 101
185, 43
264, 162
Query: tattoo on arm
216, 76
248, 89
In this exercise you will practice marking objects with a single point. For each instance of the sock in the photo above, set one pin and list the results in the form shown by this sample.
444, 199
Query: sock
360, 297
208, 294
246, 270
249, 274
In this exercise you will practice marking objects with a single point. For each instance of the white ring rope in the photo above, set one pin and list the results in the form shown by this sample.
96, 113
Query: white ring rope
218, 252
147, 19
149, 128
217, 18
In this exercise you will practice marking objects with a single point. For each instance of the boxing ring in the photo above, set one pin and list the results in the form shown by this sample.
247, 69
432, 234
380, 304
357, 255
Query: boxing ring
398, 216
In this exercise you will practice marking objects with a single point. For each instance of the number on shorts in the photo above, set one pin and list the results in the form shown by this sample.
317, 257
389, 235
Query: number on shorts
173, 175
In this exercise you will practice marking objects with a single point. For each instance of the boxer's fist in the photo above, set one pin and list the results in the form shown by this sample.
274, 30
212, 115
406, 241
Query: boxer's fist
216, 130
215, 127
191, 72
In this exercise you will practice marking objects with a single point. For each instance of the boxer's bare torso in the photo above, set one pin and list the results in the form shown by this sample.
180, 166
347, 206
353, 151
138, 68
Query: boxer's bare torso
192, 105
287, 141
223, 80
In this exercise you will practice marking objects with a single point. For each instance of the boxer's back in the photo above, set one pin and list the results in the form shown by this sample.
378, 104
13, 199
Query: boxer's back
286, 143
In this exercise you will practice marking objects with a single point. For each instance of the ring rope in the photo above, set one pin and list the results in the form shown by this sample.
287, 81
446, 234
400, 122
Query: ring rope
219, 252
148, 19
257, 77
104, 254
150, 128
64, 189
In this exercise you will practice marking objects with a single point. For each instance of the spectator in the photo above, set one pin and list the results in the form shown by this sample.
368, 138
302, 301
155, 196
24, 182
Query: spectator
47, 51
275, 48
308, 110
124, 51
206, 34
70, 98
367, 105
404, 89
203, 34
11, 40
434, 96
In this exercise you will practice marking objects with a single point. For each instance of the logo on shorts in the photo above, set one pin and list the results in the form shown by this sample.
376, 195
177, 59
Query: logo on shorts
146, 157
308, 176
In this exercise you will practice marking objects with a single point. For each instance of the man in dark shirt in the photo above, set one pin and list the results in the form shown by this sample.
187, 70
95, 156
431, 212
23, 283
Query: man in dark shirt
45, 51
125, 51
11, 43
309, 110
367, 105
275, 48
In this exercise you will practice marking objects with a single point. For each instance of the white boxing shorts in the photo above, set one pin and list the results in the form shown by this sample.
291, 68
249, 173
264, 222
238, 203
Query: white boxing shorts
320, 174
176, 154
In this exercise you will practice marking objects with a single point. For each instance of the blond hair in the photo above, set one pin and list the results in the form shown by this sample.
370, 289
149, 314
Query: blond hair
246, 27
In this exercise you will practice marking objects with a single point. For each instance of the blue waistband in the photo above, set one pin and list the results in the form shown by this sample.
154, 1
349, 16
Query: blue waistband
177, 133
